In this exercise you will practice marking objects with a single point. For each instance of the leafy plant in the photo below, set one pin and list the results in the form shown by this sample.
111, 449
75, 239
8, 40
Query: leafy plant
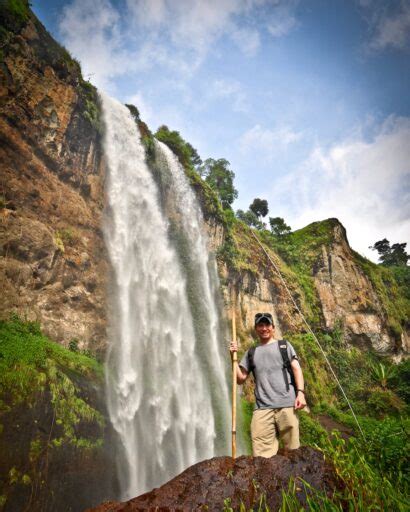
382, 373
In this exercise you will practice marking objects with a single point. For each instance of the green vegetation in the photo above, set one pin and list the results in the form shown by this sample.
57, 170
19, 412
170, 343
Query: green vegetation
220, 178
134, 112
29, 361
259, 207
91, 105
278, 226
66, 236
390, 285
49, 385
191, 162
250, 219
14, 14
375, 472
183, 150
372, 474
395, 255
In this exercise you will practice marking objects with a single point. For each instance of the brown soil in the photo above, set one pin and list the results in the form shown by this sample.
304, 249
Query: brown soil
330, 424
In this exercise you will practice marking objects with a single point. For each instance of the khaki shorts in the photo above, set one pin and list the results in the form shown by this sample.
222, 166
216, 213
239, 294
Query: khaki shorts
268, 425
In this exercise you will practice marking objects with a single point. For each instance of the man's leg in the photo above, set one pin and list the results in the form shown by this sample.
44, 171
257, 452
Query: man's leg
263, 431
288, 426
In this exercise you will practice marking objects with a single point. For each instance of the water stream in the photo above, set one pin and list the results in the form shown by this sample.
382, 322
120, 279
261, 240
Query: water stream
166, 379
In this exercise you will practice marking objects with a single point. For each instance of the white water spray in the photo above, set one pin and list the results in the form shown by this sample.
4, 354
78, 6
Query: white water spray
163, 377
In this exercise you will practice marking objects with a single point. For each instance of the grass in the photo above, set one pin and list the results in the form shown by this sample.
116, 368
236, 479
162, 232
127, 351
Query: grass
14, 14
31, 364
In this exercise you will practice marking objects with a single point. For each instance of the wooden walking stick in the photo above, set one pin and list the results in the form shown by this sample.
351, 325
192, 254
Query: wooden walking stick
234, 360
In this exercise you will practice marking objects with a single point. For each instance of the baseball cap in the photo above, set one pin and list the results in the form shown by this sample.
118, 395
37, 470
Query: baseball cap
263, 317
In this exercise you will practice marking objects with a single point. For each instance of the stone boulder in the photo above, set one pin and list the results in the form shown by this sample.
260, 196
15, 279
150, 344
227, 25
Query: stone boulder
209, 484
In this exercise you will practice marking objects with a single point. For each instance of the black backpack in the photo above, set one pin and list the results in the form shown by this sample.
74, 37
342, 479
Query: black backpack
283, 347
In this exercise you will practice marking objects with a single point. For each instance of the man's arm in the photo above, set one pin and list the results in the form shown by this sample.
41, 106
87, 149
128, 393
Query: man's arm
241, 374
300, 401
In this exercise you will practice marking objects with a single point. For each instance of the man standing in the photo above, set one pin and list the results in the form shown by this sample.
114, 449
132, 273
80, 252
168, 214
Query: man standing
277, 398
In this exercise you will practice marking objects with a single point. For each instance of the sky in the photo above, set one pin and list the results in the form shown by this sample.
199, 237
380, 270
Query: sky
307, 99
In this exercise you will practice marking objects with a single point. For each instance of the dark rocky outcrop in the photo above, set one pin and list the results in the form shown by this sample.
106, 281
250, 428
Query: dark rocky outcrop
247, 480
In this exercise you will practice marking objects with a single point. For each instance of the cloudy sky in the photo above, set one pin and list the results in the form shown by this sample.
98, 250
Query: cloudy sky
307, 99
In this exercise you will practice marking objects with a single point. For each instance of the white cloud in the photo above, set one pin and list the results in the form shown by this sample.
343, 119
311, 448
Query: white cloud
111, 41
365, 184
91, 31
283, 20
389, 24
232, 90
248, 40
269, 142
188, 22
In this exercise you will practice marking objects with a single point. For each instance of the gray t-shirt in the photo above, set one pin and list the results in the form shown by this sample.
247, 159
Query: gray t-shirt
270, 386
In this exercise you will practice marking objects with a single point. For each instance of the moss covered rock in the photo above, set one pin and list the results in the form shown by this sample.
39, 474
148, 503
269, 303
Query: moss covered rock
54, 440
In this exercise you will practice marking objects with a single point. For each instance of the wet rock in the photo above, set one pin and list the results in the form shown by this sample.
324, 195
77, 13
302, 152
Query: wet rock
244, 480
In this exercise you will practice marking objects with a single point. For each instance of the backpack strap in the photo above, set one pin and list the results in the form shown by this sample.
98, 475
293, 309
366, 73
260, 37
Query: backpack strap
251, 364
283, 348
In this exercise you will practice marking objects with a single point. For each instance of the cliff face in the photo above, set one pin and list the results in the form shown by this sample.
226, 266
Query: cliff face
52, 253
335, 288
347, 295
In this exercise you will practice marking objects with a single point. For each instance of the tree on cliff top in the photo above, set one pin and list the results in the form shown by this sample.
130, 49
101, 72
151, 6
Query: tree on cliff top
187, 155
219, 177
250, 219
394, 255
278, 226
259, 207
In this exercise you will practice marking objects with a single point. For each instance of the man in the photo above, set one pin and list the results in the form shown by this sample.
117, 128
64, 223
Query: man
276, 398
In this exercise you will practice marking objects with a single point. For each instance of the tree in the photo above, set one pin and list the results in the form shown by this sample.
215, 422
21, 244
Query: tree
187, 155
250, 219
220, 178
134, 112
259, 207
195, 158
278, 226
394, 255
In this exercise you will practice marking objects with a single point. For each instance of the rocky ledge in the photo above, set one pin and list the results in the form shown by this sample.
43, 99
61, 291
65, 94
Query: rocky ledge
212, 483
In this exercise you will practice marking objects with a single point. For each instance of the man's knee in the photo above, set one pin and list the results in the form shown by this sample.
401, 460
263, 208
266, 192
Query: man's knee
263, 433
288, 424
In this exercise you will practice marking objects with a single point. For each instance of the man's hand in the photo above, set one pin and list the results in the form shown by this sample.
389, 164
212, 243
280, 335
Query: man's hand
233, 347
300, 401
241, 373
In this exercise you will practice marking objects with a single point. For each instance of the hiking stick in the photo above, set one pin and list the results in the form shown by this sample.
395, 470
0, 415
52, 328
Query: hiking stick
234, 360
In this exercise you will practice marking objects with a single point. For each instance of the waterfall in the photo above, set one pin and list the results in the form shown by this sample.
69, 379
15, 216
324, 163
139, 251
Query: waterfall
166, 382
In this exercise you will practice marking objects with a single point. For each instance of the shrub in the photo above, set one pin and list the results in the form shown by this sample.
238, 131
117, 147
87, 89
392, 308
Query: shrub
383, 401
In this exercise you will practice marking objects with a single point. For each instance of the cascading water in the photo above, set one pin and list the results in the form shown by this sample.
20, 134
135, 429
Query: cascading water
166, 381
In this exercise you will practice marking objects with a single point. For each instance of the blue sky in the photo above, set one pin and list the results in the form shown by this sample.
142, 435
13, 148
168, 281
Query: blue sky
308, 100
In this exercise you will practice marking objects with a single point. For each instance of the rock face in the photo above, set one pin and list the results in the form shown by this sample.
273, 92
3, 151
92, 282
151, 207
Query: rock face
347, 298
64, 478
211, 483
347, 295
52, 263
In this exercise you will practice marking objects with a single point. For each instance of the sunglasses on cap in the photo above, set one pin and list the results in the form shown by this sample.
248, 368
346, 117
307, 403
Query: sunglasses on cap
263, 316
